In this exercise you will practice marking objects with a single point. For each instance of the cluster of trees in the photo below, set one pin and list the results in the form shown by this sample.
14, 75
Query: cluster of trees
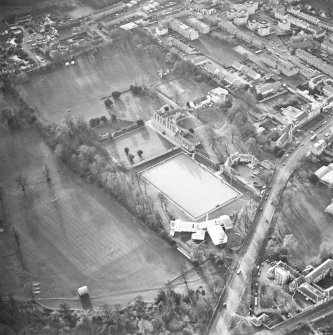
131, 156
108, 103
17, 117
138, 90
22, 116
94, 122
116, 94
170, 313
146, 44
75, 144
238, 115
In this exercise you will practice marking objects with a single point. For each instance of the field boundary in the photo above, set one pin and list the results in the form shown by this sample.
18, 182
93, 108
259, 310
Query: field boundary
239, 194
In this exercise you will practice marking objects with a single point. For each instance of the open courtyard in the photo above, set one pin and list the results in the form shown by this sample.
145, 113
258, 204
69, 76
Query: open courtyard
193, 188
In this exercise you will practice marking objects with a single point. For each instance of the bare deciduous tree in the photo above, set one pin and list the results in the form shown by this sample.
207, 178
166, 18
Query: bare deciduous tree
21, 181
47, 173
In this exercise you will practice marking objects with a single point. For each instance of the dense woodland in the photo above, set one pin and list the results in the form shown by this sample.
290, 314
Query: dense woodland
171, 313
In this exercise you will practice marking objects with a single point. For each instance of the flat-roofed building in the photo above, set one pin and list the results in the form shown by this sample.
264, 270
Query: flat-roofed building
315, 61
280, 13
281, 275
241, 18
217, 234
268, 88
287, 68
298, 22
180, 45
315, 294
319, 272
218, 94
284, 25
231, 13
315, 81
184, 30
307, 17
264, 28
202, 27
249, 6
252, 24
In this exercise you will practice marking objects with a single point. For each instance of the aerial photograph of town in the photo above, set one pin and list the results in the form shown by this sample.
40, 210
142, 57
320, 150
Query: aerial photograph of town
166, 167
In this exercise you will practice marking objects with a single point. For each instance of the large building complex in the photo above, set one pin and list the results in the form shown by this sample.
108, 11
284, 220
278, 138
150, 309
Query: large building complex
166, 120
216, 228
305, 282
315, 61
184, 30
202, 27
249, 6
182, 46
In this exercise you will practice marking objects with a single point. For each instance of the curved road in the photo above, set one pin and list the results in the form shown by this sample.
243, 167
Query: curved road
237, 283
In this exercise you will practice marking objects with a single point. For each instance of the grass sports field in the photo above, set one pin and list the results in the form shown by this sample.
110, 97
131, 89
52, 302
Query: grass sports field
82, 87
72, 233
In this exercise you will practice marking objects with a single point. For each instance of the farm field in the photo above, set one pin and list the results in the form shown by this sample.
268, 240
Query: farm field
72, 234
145, 139
83, 87
190, 186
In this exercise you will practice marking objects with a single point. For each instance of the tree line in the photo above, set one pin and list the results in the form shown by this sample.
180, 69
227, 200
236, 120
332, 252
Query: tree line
171, 312
74, 143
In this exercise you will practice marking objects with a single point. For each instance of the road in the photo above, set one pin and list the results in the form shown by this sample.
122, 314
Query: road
237, 283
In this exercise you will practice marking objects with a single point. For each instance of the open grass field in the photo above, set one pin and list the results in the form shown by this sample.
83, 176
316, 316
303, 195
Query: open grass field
73, 234
83, 86
146, 139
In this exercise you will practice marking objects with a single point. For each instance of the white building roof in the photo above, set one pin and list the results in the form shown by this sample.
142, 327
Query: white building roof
281, 271
328, 178
199, 235
217, 234
329, 209
219, 91
226, 222
322, 171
